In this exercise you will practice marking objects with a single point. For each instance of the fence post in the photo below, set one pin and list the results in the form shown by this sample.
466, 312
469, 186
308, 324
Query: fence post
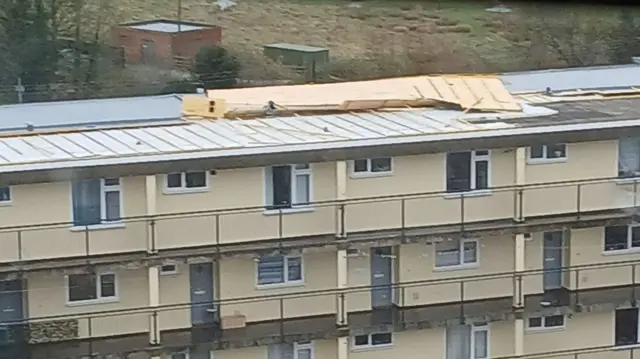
579, 199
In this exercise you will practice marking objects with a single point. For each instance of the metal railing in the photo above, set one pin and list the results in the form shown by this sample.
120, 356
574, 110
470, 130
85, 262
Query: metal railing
318, 314
358, 218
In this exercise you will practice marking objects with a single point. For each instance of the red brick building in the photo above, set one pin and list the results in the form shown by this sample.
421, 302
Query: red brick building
164, 42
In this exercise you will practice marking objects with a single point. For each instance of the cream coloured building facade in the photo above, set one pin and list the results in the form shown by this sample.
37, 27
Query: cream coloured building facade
422, 232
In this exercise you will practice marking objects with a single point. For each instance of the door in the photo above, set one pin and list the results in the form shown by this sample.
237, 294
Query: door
11, 317
203, 310
381, 277
553, 255
147, 51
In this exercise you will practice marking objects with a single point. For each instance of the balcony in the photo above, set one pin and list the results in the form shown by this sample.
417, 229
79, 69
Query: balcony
281, 317
527, 208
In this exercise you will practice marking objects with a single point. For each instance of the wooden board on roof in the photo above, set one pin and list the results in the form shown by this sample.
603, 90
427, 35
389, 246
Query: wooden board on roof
483, 93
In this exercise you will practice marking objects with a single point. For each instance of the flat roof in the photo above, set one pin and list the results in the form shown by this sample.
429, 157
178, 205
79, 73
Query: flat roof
166, 26
296, 47
585, 78
219, 138
85, 114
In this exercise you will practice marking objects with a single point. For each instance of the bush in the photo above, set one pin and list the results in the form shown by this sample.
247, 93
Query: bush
216, 68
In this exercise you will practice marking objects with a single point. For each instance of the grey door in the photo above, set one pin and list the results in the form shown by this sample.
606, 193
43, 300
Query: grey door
201, 284
553, 254
147, 51
11, 311
381, 264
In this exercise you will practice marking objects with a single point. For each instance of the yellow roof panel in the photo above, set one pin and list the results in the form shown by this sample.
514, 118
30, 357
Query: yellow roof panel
476, 92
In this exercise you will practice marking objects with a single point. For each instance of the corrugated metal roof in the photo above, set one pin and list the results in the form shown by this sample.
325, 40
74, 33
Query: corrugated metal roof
197, 138
90, 113
541, 98
477, 92
574, 78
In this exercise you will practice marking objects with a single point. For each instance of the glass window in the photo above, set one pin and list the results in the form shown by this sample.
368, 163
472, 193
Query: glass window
618, 238
456, 252
184, 180
5, 194
288, 186
96, 201
468, 171
279, 269
84, 287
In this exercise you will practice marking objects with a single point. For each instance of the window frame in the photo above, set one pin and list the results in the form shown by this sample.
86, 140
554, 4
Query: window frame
171, 272
104, 189
183, 183
369, 344
637, 328
285, 267
270, 207
543, 323
474, 158
302, 346
461, 264
630, 248
99, 298
10, 192
545, 154
369, 172
474, 330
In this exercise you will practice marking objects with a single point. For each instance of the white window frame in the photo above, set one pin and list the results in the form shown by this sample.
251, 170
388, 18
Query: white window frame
99, 298
169, 263
545, 155
461, 264
369, 341
104, 189
543, 323
182, 352
630, 247
268, 188
285, 267
302, 346
7, 202
369, 172
475, 329
183, 183
472, 173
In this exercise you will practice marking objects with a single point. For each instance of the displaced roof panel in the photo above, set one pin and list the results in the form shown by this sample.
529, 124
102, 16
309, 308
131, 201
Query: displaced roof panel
477, 92
190, 140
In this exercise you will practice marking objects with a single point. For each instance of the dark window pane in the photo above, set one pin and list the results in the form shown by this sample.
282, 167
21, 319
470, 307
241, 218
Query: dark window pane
5, 194
626, 328
112, 205
174, 180
271, 270
294, 268
615, 238
195, 179
381, 164
361, 340
281, 186
360, 166
556, 151
554, 321
380, 338
458, 171
635, 237
482, 175
86, 202
82, 287
536, 151
535, 322
107, 285
111, 181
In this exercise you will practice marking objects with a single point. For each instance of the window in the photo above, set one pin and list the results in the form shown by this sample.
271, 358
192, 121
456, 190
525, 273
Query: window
186, 181
288, 186
168, 269
372, 340
468, 171
547, 322
626, 327
629, 157
5, 195
180, 355
456, 252
372, 166
619, 238
279, 270
96, 201
547, 153
299, 350
467, 342
88, 287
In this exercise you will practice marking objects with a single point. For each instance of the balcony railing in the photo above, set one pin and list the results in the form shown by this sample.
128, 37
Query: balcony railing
320, 314
419, 214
